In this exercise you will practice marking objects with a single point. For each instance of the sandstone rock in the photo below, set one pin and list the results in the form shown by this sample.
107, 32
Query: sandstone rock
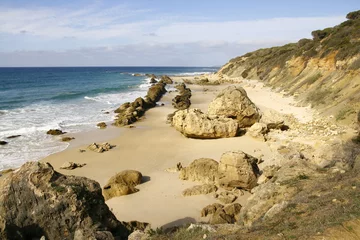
257, 130
226, 197
3, 142
101, 125
200, 189
100, 148
211, 209
195, 124
233, 102
233, 209
220, 217
55, 206
67, 139
182, 101
238, 169
122, 183
203, 170
55, 132
166, 79
71, 165
273, 120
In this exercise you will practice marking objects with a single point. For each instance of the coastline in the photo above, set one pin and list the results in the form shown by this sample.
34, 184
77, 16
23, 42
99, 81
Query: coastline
153, 146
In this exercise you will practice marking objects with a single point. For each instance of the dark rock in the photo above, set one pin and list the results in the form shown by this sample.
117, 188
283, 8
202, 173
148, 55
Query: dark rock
67, 139
153, 80
55, 206
13, 136
101, 125
55, 132
182, 101
3, 142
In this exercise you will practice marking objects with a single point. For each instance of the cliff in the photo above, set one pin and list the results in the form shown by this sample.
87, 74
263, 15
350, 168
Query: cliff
323, 71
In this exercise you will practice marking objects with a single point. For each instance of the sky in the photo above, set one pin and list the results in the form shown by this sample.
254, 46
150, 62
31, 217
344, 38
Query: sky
155, 32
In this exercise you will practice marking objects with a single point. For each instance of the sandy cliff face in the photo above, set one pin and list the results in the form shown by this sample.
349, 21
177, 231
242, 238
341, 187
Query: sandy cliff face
324, 71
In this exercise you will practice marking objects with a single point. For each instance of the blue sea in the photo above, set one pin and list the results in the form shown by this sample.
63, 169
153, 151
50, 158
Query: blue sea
73, 99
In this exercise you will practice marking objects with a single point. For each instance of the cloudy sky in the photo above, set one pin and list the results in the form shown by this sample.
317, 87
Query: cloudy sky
154, 32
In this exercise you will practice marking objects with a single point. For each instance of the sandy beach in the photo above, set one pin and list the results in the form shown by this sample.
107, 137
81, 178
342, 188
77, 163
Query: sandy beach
152, 146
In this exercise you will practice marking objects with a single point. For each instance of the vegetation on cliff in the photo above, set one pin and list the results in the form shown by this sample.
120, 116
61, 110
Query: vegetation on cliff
323, 71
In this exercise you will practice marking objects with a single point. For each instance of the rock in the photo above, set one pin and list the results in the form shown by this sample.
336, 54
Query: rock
54, 205
67, 139
166, 79
137, 75
220, 217
195, 124
99, 148
155, 92
276, 209
233, 209
257, 130
138, 235
55, 132
273, 120
169, 118
182, 101
175, 169
101, 125
233, 102
122, 183
153, 80
3, 142
203, 170
71, 165
13, 136
211, 209
238, 169
226, 197
205, 227
199, 189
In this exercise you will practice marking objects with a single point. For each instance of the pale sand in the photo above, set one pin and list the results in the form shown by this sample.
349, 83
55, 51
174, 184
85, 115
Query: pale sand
154, 146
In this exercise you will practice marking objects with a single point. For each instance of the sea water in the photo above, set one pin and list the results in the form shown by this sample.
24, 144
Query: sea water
73, 99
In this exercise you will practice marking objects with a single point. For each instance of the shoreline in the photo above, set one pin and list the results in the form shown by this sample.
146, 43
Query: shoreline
152, 147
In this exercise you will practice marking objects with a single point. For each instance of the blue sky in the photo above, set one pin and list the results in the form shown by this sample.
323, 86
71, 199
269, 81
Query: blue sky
154, 32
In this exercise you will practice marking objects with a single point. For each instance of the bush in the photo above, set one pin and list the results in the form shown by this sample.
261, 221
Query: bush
318, 35
353, 15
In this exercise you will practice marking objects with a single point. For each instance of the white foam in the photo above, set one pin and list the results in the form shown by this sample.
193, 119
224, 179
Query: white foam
191, 73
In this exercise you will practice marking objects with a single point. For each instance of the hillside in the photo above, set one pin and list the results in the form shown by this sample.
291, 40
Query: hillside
323, 71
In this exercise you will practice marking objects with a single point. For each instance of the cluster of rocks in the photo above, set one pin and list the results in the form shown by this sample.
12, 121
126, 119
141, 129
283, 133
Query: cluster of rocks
182, 100
100, 148
230, 111
123, 183
202, 80
50, 205
221, 214
129, 113
72, 165
55, 132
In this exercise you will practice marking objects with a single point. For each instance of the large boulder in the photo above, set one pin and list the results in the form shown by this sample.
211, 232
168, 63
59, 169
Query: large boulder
195, 124
37, 201
123, 183
203, 170
238, 170
233, 102
155, 92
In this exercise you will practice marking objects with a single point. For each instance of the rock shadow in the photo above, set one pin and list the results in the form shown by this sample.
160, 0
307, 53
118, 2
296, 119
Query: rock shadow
172, 226
145, 179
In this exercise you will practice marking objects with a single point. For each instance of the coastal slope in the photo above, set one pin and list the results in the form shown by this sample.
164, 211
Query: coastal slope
323, 71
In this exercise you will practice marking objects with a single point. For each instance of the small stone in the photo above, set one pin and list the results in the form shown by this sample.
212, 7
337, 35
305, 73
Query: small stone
3, 142
67, 139
101, 125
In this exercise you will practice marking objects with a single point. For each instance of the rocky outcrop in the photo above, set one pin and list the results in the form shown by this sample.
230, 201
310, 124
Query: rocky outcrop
257, 131
203, 170
166, 79
153, 80
37, 201
182, 101
195, 124
55, 132
238, 170
122, 183
199, 190
220, 214
129, 113
100, 148
233, 102
71, 165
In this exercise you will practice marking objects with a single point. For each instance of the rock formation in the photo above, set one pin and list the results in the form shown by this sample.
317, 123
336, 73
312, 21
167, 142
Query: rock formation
238, 170
199, 190
71, 165
122, 183
101, 125
220, 214
100, 148
55, 132
3, 142
203, 170
37, 201
257, 130
233, 102
195, 124
166, 79
182, 101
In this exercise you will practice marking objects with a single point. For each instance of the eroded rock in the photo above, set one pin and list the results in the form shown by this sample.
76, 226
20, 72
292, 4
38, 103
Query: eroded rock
233, 102
203, 170
71, 165
257, 131
195, 124
100, 148
199, 189
55, 132
122, 183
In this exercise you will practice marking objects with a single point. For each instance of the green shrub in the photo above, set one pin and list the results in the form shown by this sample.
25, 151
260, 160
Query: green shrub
353, 15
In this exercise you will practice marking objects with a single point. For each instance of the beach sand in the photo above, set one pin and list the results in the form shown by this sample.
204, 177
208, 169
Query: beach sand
153, 146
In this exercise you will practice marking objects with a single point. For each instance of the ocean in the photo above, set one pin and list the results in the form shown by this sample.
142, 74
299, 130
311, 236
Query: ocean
73, 99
